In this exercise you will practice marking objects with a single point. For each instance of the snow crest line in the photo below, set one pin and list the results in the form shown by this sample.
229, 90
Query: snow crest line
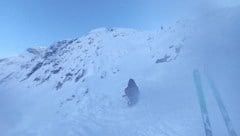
221, 106
202, 102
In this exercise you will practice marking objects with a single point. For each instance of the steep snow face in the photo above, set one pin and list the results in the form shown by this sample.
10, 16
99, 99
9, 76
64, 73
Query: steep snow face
75, 87
81, 81
100, 53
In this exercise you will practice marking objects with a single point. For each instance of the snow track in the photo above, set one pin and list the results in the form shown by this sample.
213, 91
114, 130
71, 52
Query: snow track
221, 106
202, 102
203, 105
75, 87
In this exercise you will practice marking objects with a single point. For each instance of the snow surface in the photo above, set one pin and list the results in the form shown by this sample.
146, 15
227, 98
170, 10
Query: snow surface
75, 87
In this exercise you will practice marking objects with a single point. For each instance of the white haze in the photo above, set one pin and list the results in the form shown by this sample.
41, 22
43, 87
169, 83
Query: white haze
168, 104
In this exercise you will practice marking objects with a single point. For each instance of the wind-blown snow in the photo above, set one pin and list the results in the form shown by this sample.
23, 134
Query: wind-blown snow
75, 87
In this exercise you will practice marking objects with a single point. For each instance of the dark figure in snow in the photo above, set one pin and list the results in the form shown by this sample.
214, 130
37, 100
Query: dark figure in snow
131, 92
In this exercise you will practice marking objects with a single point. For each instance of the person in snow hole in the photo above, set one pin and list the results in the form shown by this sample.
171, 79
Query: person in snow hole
132, 92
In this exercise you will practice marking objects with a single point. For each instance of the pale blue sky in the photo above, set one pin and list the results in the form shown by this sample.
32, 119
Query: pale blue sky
28, 23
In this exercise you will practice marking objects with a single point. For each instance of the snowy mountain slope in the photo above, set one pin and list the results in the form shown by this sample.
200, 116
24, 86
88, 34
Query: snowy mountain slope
75, 87
100, 51
86, 75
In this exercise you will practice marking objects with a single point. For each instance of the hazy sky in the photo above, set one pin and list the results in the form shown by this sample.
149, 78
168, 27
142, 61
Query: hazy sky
28, 23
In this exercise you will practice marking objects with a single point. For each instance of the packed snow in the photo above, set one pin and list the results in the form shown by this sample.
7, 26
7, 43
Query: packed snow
75, 87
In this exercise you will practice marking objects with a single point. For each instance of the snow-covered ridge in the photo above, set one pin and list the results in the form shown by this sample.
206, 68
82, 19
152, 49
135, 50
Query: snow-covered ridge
75, 87
99, 53
69, 80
